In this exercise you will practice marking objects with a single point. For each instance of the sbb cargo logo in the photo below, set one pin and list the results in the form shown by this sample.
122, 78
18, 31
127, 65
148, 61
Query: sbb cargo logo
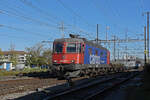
94, 59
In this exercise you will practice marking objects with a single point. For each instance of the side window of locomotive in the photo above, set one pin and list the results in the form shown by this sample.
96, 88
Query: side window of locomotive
71, 47
58, 48
90, 51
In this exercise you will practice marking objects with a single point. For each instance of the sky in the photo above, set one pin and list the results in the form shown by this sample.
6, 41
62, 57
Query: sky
25, 23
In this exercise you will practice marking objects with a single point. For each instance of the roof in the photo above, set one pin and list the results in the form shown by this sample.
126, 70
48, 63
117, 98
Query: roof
13, 52
79, 40
69, 40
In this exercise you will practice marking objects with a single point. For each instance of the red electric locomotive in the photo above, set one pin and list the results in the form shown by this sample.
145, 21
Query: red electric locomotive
75, 56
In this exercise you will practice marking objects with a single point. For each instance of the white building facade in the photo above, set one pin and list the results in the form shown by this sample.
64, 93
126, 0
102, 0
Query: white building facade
20, 56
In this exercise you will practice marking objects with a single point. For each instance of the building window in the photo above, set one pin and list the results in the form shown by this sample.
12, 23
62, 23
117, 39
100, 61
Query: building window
6, 57
21, 57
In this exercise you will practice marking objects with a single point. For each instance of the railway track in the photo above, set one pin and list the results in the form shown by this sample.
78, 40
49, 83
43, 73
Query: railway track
91, 89
31, 84
21, 85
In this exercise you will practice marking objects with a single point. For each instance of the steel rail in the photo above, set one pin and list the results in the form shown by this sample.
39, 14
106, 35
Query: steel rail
109, 88
91, 85
68, 91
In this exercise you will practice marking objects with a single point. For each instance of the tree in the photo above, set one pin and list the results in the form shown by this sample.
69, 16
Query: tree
38, 55
13, 59
47, 54
33, 54
1, 55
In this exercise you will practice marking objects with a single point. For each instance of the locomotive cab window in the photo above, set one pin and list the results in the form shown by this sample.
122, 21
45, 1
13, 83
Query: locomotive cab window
73, 48
58, 48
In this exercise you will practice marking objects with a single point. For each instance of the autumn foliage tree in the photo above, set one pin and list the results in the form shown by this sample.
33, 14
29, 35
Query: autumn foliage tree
37, 55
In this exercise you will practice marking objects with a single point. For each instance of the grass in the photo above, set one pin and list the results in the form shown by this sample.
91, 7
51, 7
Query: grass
24, 71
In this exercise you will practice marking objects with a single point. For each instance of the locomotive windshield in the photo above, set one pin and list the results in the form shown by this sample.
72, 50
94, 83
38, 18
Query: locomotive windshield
73, 47
58, 48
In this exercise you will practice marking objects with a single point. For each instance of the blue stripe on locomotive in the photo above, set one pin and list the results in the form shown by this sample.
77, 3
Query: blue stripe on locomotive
93, 59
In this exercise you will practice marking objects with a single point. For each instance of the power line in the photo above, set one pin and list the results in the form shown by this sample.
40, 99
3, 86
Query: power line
20, 15
17, 37
74, 13
98, 9
23, 30
30, 4
83, 31
47, 15
26, 18
115, 12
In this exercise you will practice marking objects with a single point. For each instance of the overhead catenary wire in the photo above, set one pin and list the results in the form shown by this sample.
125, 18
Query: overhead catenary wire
9, 13
25, 31
30, 4
30, 19
17, 37
16, 13
114, 11
98, 9
42, 12
74, 13
83, 31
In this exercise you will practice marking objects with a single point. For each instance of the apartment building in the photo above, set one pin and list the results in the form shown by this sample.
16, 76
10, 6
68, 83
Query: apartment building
20, 55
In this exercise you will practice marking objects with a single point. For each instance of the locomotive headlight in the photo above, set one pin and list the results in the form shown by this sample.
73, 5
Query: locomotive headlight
72, 61
55, 60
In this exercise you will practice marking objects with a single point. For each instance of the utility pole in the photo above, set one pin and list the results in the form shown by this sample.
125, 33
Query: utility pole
107, 35
97, 34
148, 35
126, 48
114, 48
147, 13
118, 51
62, 28
145, 45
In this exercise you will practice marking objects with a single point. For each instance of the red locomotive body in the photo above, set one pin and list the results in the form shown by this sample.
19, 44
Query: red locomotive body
68, 53
77, 56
